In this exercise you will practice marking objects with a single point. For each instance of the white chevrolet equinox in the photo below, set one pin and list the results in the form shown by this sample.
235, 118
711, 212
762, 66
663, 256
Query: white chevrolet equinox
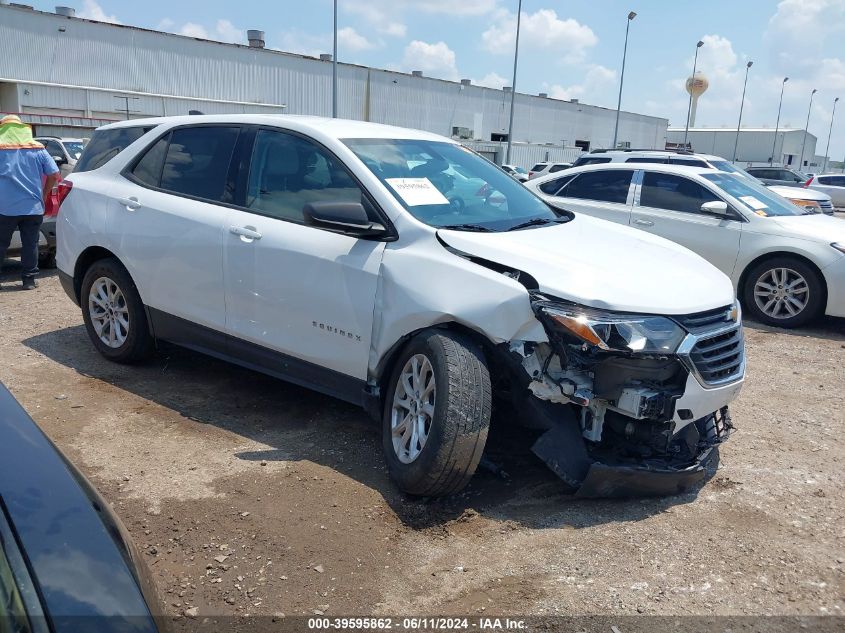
398, 270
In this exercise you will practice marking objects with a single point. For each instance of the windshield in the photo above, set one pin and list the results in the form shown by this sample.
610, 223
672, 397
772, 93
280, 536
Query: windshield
447, 185
723, 165
755, 197
74, 148
519, 170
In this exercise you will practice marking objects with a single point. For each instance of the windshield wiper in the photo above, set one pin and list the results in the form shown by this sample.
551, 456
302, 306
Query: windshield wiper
468, 227
538, 222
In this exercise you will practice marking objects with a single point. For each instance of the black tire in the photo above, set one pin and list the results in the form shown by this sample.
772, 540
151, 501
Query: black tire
815, 300
458, 428
138, 344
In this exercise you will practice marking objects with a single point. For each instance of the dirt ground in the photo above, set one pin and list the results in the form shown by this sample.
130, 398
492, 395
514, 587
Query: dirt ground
248, 495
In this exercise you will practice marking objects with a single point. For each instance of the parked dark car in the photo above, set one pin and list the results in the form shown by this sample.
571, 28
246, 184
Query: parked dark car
66, 563
779, 176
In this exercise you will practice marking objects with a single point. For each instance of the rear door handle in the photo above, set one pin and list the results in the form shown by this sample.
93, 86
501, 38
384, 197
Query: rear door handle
130, 203
245, 232
643, 222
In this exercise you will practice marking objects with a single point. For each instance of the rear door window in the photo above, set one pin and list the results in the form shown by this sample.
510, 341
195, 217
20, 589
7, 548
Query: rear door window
551, 187
557, 168
602, 186
106, 144
673, 193
197, 161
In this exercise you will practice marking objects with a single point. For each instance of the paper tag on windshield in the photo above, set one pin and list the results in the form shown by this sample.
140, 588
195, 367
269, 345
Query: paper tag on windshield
753, 202
417, 191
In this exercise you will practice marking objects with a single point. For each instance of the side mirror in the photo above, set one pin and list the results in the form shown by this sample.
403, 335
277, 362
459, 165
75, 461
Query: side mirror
716, 207
342, 217
60, 160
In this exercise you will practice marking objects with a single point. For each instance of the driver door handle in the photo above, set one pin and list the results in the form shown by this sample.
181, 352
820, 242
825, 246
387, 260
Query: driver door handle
245, 232
643, 222
130, 203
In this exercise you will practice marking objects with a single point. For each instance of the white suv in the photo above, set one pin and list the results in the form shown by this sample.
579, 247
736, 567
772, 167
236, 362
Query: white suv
788, 265
340, 256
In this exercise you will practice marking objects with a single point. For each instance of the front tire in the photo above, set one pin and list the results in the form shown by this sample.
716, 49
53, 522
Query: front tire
114, 314
437, 414
784, 292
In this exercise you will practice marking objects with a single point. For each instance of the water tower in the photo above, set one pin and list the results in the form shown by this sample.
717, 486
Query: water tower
696, 86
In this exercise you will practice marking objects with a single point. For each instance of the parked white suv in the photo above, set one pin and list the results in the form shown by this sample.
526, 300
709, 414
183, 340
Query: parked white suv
830, 184
333, 254
541, 169
65, 151
788, 266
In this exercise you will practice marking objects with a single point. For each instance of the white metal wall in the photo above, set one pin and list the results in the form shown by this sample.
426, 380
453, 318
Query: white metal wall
79, 55
755, 146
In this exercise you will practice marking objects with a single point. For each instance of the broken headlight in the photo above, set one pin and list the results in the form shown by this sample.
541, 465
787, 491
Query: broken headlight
619, 332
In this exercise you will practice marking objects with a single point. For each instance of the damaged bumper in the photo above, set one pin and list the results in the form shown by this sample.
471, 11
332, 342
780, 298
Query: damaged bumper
675, 473
633, 405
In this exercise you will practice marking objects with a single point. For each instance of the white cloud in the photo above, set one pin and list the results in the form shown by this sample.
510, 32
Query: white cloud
492, 80
193, 30
348, 39
223, 31
296, 41
433, 59
228, 32
389, 17
797, 32
93, 11
567, 38
594, 87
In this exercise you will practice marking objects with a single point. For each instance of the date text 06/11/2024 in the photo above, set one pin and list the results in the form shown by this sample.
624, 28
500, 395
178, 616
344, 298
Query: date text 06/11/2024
417, 624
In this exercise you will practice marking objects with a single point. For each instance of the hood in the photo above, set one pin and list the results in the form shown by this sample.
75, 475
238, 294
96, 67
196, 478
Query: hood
800, 193
818, 227
604, 265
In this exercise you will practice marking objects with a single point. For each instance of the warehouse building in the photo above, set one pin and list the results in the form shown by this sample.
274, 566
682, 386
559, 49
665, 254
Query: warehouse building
754, 147
97, 72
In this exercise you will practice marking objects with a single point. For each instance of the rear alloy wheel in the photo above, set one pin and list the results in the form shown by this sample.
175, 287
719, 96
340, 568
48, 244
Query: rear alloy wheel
113, 313
437, 414
784, 292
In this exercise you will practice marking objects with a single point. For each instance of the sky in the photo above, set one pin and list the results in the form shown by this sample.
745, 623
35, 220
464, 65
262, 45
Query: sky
568, 48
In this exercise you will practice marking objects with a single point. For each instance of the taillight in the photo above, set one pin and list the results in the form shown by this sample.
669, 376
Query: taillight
530, 174
62, 189
809, 180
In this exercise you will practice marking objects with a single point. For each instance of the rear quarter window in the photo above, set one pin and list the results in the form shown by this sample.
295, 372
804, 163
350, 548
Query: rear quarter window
106, 144
591, 160
538, 167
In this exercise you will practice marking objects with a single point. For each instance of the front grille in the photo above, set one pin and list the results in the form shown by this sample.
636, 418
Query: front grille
719, 358
702, 321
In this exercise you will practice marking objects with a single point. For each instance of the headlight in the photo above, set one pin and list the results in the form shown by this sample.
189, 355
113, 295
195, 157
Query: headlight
618, 332
810, 205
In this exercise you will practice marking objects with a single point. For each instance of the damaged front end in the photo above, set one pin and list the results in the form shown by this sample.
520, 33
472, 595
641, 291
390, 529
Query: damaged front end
634, 404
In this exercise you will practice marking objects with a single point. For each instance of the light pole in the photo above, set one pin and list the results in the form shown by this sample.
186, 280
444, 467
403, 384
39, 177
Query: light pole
689, 107
829, 132
777, 123
741, 106
631, 17
513, 83
334, 66
806, 128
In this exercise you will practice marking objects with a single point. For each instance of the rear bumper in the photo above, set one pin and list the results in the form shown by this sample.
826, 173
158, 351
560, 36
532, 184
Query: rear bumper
68, 286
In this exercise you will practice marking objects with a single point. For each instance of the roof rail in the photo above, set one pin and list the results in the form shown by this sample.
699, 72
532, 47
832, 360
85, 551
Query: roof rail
649, 149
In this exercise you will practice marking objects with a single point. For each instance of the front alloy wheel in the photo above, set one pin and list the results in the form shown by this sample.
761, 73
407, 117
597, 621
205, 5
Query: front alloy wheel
783, 291
413, 408
436, 413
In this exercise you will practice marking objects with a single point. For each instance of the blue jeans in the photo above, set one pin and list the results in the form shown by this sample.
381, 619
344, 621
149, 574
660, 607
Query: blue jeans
29, 227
